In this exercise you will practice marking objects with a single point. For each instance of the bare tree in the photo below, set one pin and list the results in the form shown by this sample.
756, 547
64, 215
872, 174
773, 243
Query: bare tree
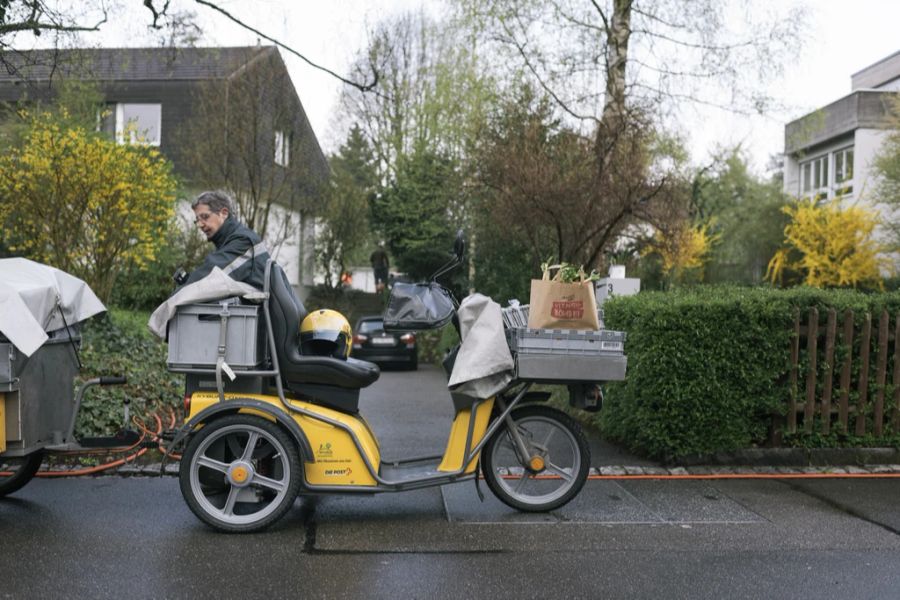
431, 94
614, 68
591, 56
41, 16
542, 184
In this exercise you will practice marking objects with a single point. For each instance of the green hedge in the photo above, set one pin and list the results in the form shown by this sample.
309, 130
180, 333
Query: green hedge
119, 343
708, 366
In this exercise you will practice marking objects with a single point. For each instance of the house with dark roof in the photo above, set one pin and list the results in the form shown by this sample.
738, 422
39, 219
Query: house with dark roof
225, 117
830, 152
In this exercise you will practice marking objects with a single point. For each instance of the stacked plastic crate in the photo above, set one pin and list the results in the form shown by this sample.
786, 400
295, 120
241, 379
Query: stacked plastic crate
564, 355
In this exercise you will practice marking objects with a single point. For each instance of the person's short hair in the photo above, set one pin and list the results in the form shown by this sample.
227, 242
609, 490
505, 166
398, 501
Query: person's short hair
216, 200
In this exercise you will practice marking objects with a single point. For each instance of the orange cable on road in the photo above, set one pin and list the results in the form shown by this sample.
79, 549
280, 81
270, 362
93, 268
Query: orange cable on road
116, 463
699, 476
751, 476
91, 470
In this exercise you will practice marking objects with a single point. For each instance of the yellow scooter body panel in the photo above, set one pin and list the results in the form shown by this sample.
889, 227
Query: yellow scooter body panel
456, 444
2, 422
337, 460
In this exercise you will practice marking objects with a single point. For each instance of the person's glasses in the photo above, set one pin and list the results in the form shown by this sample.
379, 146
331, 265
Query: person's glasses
204, 217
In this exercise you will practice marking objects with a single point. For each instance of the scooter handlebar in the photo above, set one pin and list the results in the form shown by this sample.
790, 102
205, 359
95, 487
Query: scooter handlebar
113, 380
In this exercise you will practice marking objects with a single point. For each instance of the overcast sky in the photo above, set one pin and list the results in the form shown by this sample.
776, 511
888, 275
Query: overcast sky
844, 37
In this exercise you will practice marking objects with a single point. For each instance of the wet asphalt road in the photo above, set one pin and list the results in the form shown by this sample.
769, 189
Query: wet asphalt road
113, 537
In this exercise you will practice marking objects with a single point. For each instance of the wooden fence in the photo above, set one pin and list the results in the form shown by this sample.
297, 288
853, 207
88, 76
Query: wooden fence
857, 404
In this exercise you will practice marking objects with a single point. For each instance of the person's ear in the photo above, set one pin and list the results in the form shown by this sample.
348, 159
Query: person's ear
224, 212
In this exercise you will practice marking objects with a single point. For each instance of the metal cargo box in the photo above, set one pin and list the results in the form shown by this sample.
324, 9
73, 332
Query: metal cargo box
13, 362
195, 330
10, 362
38, 394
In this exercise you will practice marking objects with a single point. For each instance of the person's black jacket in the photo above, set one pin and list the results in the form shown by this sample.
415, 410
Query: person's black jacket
239, 252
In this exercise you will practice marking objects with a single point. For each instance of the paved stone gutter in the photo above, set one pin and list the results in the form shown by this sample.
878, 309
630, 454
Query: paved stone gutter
623, 471
754, 471
797, 457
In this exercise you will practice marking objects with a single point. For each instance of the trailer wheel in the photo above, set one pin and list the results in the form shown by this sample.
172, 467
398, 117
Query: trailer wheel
240, 473
16, 472
555, 469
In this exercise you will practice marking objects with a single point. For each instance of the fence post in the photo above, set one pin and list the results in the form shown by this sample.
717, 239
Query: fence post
829, 371
881, 373
795, 367
895, 380
812, 343
847, 340
863, 375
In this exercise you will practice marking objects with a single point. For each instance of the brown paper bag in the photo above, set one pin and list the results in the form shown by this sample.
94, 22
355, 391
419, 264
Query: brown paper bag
558, 305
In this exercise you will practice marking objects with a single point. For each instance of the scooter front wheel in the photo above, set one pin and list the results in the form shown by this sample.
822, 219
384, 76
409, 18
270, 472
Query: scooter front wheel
556, 465
240, 473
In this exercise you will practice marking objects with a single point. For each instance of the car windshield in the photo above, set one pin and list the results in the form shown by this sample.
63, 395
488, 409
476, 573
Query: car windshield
369, 326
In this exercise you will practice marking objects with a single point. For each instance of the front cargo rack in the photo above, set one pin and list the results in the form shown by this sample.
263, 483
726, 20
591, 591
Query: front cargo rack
568, 355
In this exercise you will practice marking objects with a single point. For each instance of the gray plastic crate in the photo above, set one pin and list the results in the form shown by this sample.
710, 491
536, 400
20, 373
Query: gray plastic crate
568, 355
517, 316
194, 337
559, 368
565, 341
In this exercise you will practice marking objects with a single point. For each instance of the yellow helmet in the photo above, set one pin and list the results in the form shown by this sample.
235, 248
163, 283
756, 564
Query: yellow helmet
326, 332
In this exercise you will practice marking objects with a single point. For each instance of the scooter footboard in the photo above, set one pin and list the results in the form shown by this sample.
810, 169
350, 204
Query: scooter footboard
465, 427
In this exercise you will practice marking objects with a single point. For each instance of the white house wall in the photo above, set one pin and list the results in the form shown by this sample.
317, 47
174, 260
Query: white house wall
868, 142
792, 164
791, 184
290, 252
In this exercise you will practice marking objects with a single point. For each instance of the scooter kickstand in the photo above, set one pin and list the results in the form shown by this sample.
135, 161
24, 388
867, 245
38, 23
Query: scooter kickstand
477, 485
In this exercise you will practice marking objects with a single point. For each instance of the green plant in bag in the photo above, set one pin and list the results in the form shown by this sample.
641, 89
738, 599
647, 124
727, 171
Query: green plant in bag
569, 273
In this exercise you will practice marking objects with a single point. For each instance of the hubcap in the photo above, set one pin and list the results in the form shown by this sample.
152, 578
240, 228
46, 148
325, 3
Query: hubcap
536, 464
240, 473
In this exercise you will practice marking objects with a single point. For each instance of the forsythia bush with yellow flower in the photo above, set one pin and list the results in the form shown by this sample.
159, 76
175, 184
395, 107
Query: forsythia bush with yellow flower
83, 203
683, 249
831, 246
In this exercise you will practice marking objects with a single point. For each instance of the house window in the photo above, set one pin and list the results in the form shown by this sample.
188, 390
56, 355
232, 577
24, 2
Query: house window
138, 123
843, 172
814, 177
282, 148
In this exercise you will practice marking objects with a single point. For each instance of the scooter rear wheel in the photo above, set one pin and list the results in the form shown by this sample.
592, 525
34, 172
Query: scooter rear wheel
240, 473
552, 474
16, 472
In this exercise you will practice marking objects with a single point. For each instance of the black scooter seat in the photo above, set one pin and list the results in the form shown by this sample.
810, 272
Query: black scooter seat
350, 373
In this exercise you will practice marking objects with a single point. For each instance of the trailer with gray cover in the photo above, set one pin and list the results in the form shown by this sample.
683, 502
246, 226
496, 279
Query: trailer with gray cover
41, 311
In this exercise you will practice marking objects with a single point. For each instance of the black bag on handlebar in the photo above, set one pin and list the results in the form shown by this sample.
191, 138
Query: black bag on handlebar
416, 306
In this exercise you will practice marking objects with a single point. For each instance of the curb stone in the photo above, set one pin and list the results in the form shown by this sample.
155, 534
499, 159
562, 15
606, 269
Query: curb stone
171, 470
794, 457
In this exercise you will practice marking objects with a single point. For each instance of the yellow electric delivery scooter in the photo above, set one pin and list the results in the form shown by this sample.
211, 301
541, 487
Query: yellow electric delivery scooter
265, 422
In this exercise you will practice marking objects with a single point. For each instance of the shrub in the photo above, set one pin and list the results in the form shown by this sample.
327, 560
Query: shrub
708, 366
84, 204
119, 343
144, 287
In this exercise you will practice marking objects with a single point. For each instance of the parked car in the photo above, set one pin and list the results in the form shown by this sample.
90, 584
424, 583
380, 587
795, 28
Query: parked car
372, 343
